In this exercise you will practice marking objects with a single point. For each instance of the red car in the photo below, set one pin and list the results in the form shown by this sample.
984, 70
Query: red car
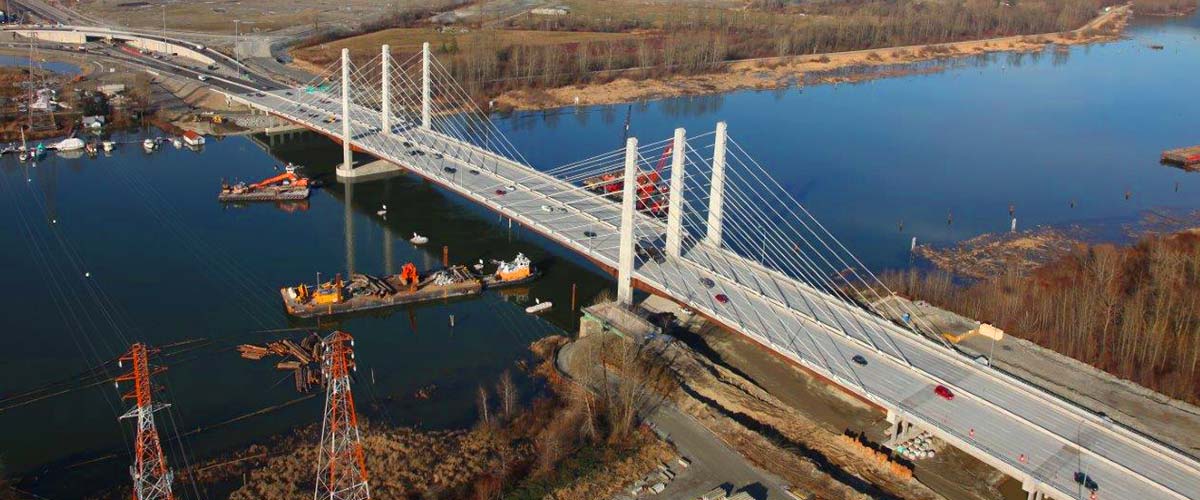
945, 393
722, 298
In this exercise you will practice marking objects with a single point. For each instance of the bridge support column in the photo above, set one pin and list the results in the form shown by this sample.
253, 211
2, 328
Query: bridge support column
385, 112
425, 85
716, 193
347, 156
675, 202
625, 253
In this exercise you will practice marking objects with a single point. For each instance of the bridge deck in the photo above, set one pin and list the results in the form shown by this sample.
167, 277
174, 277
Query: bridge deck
1010, 419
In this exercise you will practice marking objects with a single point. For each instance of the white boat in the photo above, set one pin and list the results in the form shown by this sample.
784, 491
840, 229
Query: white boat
418, 239
382, 210
23, 157
148, 144
108, 145
70, 144
177, 143
539, 307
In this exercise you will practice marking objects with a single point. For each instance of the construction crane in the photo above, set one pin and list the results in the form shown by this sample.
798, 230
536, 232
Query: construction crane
341, 465
151, 477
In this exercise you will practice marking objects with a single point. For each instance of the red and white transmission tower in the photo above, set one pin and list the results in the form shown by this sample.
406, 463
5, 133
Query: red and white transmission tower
341, 466
151, 478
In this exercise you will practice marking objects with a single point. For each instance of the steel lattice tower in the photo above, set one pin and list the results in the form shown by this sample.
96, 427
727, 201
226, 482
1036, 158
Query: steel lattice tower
151, 477
341, 466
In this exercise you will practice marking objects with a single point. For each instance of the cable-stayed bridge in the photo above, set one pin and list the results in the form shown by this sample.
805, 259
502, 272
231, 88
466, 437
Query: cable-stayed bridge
704, 224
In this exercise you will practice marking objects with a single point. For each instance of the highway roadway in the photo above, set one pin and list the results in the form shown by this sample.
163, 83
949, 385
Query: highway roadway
1008, 424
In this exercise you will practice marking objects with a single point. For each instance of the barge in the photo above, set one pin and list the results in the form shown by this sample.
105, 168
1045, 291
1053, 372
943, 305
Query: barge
1183, 156
651, 189
365, 292
283, 187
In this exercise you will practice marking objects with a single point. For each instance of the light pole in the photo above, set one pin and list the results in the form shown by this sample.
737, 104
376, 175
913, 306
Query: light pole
164, 28
237, 48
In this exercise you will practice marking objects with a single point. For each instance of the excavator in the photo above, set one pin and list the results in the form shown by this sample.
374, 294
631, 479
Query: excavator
285, 186
288, 177
409, 276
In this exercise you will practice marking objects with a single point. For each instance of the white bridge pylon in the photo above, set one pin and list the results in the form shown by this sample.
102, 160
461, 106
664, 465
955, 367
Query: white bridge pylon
697, 219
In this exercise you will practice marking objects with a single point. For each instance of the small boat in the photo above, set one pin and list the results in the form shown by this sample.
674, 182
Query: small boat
108, 145
418, 239
91, 149
23, 157
382, 210
69, 144
177, 143
539, 307
149, 144
513, 272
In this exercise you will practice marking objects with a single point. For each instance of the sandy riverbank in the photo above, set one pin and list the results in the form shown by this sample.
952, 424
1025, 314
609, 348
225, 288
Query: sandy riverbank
773, 73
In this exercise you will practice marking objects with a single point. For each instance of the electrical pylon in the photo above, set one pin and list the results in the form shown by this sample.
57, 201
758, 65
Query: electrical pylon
151, 477
341, 466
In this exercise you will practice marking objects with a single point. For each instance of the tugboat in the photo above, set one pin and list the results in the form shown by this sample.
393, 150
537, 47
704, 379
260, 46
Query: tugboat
282, 187
514, 272
364, 292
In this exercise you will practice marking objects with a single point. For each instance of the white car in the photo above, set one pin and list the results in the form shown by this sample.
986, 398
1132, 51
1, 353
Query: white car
203, 78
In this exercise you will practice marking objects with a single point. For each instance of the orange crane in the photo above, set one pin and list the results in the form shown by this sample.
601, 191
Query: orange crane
291, 177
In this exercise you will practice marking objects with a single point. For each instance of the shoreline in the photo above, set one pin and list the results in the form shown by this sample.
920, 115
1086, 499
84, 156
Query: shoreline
781, 72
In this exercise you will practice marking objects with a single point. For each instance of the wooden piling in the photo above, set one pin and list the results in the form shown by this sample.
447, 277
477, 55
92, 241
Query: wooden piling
573, 286
445, 256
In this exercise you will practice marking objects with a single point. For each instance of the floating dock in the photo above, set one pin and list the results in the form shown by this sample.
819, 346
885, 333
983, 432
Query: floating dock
273, 193
365, 292
1183, 156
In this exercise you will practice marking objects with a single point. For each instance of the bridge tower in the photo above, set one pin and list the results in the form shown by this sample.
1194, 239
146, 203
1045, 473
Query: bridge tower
385, 110
425, 86
347, 154
625, 254
675, 203
151, 477
716, 194
341, 465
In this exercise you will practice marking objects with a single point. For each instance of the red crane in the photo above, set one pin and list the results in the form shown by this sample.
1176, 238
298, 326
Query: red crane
341, 465
151, 477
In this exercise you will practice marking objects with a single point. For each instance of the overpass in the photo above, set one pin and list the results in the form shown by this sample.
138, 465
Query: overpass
82, 35
734, 246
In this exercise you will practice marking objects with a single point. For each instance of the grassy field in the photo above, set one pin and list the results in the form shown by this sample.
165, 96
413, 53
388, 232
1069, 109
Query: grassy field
406, 41
216, 16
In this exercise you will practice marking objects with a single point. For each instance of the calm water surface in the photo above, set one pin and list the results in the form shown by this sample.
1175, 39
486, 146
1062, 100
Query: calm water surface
1035, 131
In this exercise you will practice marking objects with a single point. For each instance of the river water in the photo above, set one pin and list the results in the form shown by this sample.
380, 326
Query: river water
143, 235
